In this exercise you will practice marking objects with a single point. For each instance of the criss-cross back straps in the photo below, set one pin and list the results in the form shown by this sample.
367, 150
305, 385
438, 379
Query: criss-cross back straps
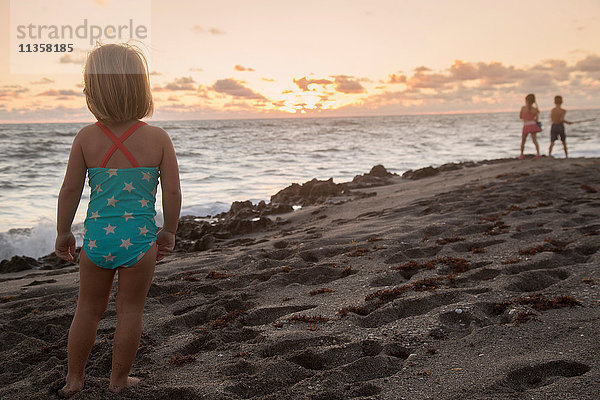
118, 143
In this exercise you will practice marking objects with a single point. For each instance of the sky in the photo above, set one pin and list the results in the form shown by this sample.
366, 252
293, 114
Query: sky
273, 59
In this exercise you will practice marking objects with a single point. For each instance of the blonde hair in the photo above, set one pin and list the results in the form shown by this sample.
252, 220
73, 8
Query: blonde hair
116, 83
530, 101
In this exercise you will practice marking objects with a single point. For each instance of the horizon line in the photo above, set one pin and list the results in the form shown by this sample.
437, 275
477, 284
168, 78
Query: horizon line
293, 116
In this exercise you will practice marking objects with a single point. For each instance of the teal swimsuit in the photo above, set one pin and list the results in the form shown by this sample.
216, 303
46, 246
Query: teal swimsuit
119, 227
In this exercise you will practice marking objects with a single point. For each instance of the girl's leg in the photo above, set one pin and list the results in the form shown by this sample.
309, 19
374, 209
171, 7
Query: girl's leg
134, 283
94, 289
523, 137
537, 147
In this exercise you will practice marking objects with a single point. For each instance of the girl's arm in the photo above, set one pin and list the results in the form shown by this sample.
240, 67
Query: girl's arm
68, 200
521, 113
171, 199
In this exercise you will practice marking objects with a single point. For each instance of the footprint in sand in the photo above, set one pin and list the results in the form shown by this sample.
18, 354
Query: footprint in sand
531, 377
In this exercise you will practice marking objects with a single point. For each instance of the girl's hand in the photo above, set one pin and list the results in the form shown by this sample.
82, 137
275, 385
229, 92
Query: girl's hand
165, 243
64, 247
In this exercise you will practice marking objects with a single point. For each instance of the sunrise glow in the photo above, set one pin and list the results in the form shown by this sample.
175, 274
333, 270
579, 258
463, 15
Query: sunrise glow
337, 58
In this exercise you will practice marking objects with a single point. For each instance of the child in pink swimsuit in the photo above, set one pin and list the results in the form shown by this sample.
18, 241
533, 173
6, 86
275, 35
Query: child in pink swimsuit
530, 114
124, 159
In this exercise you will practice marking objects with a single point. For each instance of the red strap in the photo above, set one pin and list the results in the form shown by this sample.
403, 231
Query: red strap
118, 143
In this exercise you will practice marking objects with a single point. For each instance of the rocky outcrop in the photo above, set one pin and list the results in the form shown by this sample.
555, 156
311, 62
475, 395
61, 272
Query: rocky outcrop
308, 193
378, 176
18, 263
432, 171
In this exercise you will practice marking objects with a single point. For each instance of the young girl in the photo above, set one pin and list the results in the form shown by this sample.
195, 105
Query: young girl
530, 114
124, 158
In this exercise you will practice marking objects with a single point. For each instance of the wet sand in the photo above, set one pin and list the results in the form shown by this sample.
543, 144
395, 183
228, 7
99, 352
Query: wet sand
479, 282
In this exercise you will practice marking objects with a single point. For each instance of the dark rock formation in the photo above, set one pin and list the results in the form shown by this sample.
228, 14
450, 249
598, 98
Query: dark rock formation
420, 173
18, 263
378, 176
51, 261
309, 193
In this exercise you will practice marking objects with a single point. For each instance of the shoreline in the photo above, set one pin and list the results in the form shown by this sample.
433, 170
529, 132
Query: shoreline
48, 225
48, 261
477, 283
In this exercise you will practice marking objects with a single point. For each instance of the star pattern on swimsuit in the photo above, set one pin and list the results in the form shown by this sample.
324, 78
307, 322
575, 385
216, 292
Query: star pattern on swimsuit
92, 244
126, 244
109, 258
129, 187
127, 215
97, 189
112, 202
112, 172
109, 229
143, 202
144, 230
95, 215
154, 192
146, 176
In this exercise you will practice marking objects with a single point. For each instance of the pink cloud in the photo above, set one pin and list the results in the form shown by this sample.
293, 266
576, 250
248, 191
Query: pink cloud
61, 94
235, 89
303, 83
12, 91
588, 64
183, 83
42, 81
396, 78
348, 84
243, 69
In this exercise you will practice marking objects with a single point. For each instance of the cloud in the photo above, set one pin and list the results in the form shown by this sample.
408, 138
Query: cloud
348, 84
155, 73
343, 84
396, 78
70, 59
484, 85
211, 31
203, 91
236, 89
42, 81
422, 79
46, 114
463, 71
63, 93
558, 69
193, 69
242, 68
12, 91
303, 83
268, 79
588, 64
183, 83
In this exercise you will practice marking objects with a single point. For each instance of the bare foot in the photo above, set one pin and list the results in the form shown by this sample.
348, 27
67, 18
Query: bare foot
131, 381
70, 389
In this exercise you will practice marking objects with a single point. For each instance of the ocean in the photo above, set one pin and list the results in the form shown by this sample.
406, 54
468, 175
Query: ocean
222, 161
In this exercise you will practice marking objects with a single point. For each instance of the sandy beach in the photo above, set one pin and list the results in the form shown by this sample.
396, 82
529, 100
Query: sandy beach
468, 281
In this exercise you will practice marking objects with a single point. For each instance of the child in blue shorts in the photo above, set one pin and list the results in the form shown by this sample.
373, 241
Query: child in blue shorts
558, 125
